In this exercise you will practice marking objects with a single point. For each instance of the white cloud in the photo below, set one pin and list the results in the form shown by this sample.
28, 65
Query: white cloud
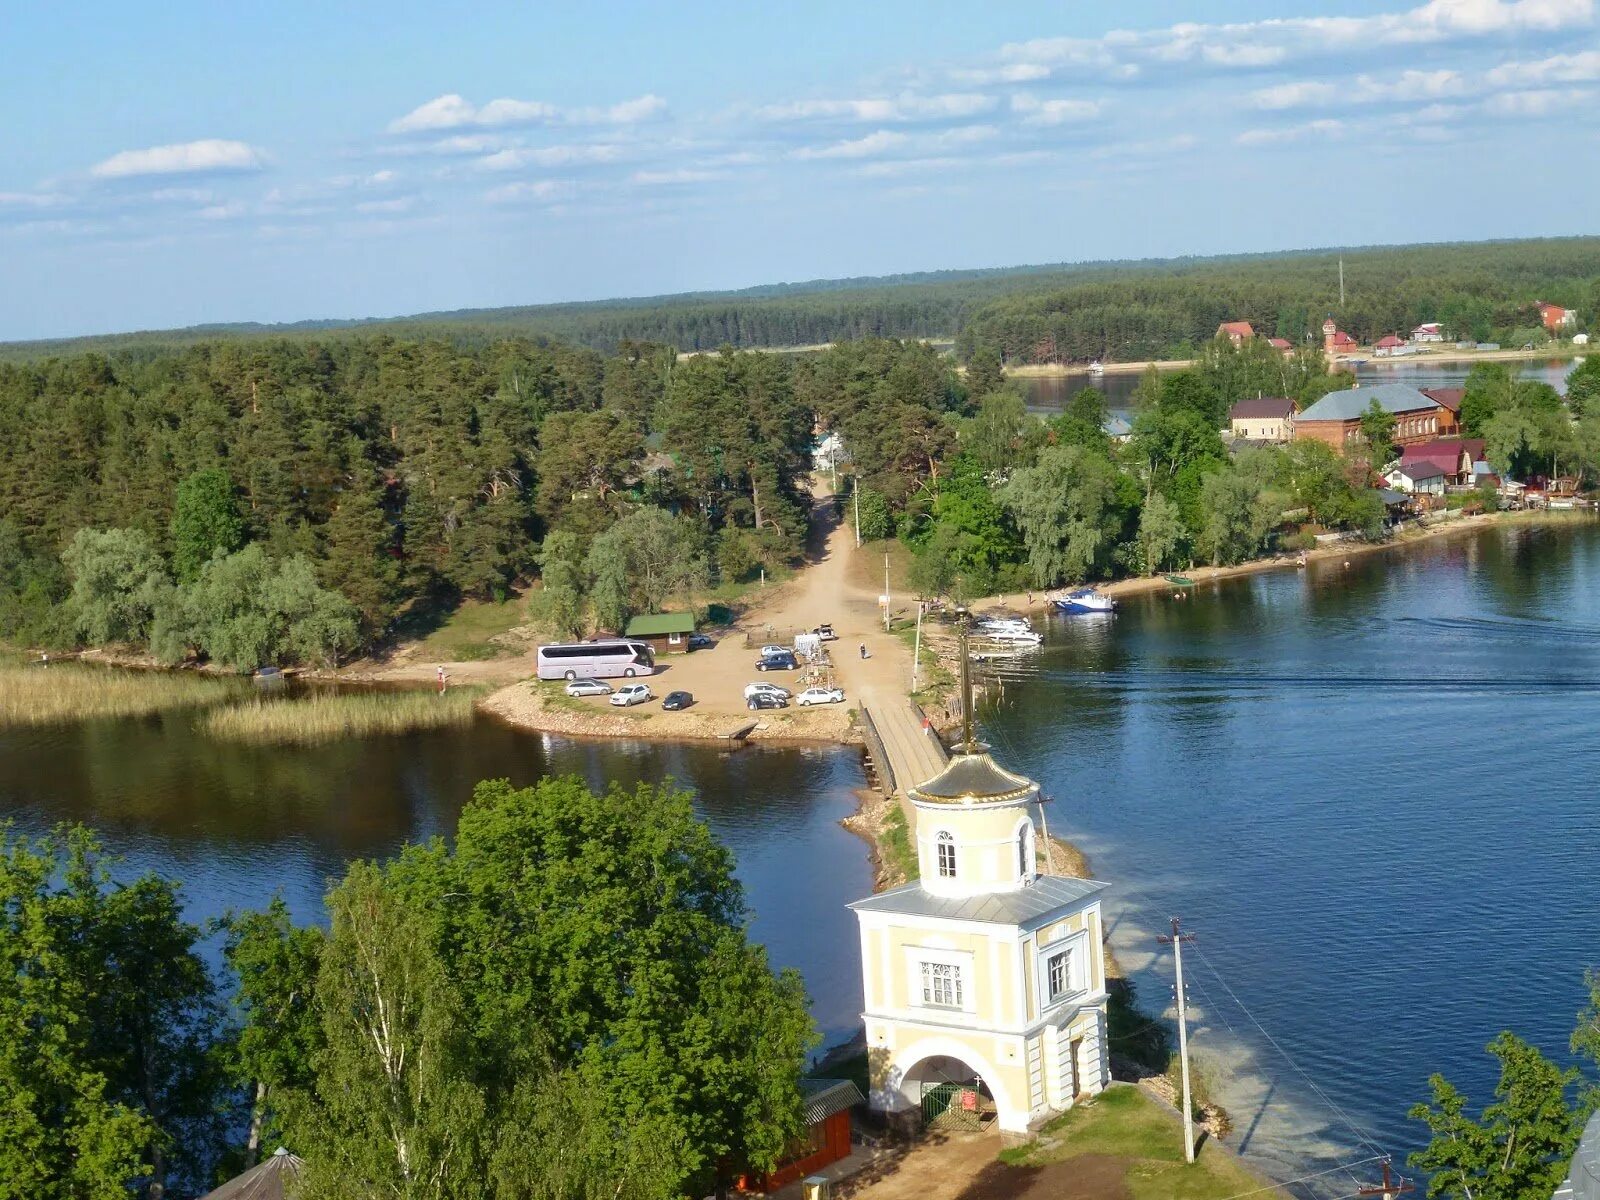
908, 106
1406, 87
1582, 67
1176, 144
1324, 128
543, 190
30, 200
1007, 73
550, 156
452, 111
908, 166
209, 154
398, 204
870, 146
1053, 112
679, 175
1541, 102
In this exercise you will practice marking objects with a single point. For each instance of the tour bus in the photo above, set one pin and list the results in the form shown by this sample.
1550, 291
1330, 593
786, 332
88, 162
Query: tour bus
596, 660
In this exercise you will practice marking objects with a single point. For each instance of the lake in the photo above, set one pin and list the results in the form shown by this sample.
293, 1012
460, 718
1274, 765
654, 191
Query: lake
1047, 394
1370, 791
237, 824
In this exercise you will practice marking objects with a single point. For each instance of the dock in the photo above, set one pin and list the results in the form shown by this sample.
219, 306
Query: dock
737, 736
903, 752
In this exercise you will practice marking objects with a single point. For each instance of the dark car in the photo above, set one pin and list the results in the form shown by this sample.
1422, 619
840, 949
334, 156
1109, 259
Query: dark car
699, 641
778, 662
766, 700
677, 700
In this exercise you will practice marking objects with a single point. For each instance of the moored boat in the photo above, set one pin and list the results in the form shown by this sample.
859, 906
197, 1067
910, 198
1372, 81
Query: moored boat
1179, 580
1085, 601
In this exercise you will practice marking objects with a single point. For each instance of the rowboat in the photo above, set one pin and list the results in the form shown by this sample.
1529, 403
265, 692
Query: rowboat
1179, 580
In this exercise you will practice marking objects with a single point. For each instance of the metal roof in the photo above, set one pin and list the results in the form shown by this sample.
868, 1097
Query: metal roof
972, 777
1262, 406
654, 624
1349, 404
824, 1097
1583, 1181
269, 1179
1035, 904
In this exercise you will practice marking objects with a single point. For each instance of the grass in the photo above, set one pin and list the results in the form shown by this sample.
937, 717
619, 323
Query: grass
64, 692
1126, 1123
333, 716
468, 634
935, 680
899, 855
866, 569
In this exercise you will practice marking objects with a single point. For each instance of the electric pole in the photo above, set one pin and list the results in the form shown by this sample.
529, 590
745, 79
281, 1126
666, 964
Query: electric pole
1176, 941
886, 591
1341, 283
855, 486
1389, 1188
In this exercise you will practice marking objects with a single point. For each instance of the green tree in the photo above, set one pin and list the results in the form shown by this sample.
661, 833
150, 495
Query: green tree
1238, 515
360, 555
118, 583
1161, 532
1490, 389
985, 373
205, 522
995, 437
1377, 430
1519, 1147
275, 964
65, 1132
561, 572
877, 522
1066, 508
1583, 388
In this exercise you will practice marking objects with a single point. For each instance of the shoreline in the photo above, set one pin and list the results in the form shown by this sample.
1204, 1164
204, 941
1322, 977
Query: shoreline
1072, 370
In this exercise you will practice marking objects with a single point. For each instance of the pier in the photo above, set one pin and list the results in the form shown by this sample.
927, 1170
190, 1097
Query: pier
903, 750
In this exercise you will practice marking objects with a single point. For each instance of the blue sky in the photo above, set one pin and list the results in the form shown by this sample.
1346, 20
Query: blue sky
183, 163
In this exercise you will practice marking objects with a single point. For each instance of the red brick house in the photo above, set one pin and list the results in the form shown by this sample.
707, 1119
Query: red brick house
1556, 318
1236, 332
1336, 418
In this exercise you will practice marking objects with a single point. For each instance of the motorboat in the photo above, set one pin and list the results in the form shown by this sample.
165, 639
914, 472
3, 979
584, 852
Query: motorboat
1085, 601
1097, 368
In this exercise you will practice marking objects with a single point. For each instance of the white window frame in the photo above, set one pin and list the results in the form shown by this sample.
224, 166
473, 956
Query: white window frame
944, 838
961, 962
1077, 946
674, 639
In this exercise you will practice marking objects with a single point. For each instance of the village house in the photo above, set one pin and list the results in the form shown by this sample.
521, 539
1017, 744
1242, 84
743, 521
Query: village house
1237, 332
667, 633
1387, 345
1556, 318
985, 978
1263, 419
1336, 418
1417, 478
1336, 340
1282, 345
1457, 458
1428, 331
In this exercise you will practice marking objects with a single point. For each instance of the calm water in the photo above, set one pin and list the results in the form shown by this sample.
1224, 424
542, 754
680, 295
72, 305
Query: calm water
1047, 395
1370, 790
238, 824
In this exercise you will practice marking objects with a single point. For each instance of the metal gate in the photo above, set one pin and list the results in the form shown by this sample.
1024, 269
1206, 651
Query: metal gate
951, 1106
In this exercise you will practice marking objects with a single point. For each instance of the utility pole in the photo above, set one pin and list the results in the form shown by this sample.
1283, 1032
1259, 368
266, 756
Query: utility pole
886, 591
1341, 281
855, 486
1389, 1188
1176, 941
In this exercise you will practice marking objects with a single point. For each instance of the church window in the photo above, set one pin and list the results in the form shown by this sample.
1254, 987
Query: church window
947, 855
1058, 969
941, 984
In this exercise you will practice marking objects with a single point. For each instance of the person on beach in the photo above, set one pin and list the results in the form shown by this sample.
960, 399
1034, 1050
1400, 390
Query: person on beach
443, 677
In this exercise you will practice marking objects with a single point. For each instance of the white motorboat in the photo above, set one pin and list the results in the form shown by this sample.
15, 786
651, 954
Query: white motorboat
1085, 601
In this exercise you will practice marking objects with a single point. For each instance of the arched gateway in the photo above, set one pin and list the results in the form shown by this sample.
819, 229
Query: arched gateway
986, 972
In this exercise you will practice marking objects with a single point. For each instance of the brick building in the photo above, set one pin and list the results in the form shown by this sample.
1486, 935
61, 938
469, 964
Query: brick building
1418, 416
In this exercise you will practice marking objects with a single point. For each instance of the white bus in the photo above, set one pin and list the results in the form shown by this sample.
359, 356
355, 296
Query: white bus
596, 660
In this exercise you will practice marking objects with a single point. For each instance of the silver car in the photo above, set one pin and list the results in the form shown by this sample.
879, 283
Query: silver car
588, 687
633, 693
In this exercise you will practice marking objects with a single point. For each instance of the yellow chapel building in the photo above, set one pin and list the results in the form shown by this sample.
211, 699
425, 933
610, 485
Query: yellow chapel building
985, 972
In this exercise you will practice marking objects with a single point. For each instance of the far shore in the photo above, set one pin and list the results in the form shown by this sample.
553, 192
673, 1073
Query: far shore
1067, 370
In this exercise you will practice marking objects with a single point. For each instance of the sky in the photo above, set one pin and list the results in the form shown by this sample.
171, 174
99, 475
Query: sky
190, 163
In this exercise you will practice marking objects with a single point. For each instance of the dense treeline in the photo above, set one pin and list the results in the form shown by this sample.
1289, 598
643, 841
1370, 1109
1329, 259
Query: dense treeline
1108, 310
290, 501
562, 1003
1482, 292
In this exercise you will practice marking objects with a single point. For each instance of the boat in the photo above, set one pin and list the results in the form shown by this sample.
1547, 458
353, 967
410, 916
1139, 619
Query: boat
1179, 580
1097, 367
1085, 601
1011, 637
990, 625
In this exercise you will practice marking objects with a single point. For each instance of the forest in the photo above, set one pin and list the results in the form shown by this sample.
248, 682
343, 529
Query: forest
561, 1002
1113, 311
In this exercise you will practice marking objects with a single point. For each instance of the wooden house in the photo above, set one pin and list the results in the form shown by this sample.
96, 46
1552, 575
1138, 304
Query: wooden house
667, 633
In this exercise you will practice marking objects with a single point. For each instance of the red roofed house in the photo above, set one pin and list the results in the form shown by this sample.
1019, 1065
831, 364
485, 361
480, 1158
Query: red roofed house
1263, 419
1555, 317
1428, 331
1283, 345
1236, 331
1336, 340
1387, 345
1454, 457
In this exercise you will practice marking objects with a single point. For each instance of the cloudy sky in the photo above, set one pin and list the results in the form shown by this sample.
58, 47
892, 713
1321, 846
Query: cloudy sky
191, 162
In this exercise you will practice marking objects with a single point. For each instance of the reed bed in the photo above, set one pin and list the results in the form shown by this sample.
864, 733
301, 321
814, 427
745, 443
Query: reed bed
333, 716
65, 692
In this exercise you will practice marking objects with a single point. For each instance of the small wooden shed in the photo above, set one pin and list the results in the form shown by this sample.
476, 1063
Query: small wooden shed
827, 1140
667, 633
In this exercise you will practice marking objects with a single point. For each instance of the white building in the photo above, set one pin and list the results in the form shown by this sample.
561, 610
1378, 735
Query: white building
987, 973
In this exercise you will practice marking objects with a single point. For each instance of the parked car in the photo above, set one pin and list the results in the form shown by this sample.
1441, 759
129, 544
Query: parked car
588, 687
633, 693
765, 689
676, 701
699, 641
820, 695
763, 700
826, 633
772, 648
778, 662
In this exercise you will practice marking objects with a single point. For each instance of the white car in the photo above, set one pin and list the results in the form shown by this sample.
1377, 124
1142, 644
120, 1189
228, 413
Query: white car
773, 648
588, 687
766, 689
633, 693
820, 695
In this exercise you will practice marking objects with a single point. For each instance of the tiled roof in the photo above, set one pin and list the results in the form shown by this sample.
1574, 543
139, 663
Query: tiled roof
1349, 404
1447, 397
1036, 904
1262, 406
1242, 328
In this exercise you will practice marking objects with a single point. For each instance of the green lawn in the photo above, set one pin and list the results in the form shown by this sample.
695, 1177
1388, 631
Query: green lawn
465, 636
1125, 1122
